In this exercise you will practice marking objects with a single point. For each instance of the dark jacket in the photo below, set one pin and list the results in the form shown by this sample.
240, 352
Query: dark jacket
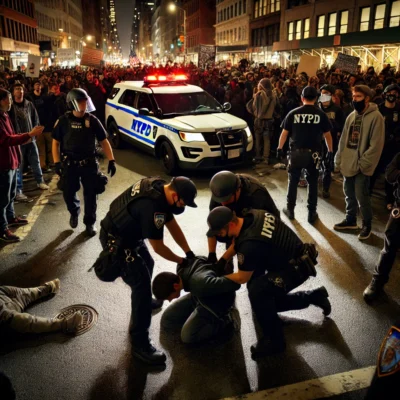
209, 290
31, 117
392, 175
10, 155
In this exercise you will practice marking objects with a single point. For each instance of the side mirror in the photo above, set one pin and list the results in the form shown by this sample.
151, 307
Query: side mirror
227, 106
144, 111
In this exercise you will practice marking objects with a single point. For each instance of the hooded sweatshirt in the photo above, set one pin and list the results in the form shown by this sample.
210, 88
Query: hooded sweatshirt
361, 143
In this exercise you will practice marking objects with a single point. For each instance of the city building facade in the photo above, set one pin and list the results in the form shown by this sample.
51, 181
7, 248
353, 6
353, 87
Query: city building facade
18, 33
115, 44
142, 44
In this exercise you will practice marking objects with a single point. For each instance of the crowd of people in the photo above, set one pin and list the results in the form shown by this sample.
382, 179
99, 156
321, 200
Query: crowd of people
334, 121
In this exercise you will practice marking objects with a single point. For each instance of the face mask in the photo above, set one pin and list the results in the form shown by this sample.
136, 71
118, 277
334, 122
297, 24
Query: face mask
324, 98
359, 105
177, 210
391, 98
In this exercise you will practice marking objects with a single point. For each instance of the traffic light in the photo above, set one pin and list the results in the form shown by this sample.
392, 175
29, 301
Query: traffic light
182, 39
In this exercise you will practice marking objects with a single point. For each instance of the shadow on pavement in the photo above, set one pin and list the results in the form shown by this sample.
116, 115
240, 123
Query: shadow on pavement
191, 376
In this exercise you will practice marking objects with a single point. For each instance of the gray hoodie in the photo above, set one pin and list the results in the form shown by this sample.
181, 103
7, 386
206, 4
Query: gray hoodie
364, 158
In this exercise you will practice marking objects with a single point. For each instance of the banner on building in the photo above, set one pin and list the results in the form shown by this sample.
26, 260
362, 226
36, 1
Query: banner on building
346, 63
309, 65
65, 55
206, 55
91, 57
33, 68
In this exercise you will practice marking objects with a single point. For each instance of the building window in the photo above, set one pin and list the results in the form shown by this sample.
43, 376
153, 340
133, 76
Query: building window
256, 9
364, 21
321, 26
299, 25
379, 16
290, 30
236, 10
244, 6
344, 21
240, 7
306, 28
225, 14
332, 24
275, 5
395, 14
231, 11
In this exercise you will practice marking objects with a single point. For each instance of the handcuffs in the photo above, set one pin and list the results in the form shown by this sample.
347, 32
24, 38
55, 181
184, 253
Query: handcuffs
317, 159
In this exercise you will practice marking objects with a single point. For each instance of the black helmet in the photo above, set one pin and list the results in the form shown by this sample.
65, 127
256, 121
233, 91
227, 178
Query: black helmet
392, 87
223, 185
77, 94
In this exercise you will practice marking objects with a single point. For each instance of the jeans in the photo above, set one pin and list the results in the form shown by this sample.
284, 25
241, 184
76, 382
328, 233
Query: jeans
389, 251
73, 176
30, 152
262, 133
44, 143
139, 280
13, 302
8, 190
356, 191
311, 174
198, 324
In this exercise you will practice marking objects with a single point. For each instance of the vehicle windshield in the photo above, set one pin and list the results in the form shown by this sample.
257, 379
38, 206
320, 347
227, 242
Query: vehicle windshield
187, 103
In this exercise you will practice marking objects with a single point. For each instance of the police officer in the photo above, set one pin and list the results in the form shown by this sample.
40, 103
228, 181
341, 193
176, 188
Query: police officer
305, 126
74, 144
272, 261
140, 213
337, 119
238, 192
392, 237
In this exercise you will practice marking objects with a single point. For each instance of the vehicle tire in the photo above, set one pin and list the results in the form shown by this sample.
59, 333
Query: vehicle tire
114, 136
168, 158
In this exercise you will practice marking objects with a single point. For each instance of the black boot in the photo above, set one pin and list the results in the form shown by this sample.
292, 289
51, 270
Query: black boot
91, 230
268, 347
73, 221
289, 212
147, 353
373, 290
312, 217
319, 298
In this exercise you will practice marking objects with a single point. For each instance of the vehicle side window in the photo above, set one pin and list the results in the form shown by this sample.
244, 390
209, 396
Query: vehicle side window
128, 98
144, 102
113, 93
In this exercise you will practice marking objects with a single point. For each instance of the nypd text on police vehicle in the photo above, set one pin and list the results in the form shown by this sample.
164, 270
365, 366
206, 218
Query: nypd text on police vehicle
180, 124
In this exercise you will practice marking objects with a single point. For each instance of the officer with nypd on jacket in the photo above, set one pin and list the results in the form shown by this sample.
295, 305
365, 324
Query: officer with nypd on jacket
305, 126
139, 213
74, 152
238, 192
272, 261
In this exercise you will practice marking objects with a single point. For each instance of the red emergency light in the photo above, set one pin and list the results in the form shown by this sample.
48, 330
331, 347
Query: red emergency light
165, 78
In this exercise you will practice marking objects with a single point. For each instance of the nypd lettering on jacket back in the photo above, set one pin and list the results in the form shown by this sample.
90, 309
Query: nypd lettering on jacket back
268, 226
307, 119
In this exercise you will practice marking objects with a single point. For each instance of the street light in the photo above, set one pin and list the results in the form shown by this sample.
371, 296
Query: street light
88, 38
173, 7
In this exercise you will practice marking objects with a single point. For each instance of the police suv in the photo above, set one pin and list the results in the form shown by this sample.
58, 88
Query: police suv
180, 124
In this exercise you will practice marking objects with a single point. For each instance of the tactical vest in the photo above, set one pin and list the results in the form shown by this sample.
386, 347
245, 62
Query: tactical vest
268, 229
78, 143
119, 216
250, 185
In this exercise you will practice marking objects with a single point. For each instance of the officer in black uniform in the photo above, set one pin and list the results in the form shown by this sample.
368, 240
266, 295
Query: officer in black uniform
74, 145
305, 126
238, 192
392, 237
272, 261
140, 213
337, 119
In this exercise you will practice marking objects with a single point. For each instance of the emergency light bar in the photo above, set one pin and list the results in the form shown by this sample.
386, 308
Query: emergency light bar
165, 78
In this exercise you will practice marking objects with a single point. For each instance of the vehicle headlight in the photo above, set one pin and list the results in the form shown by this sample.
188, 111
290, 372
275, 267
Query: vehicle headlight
191, 137
248, 131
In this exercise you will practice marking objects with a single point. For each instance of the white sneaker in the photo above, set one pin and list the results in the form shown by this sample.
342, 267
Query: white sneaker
21, 197
43, 186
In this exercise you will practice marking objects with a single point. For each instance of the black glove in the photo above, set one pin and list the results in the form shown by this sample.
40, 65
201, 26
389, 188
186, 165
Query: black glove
329, 159
58, 167
219, 267
279, 154
190, 255
112, 169
184, 263
212, 258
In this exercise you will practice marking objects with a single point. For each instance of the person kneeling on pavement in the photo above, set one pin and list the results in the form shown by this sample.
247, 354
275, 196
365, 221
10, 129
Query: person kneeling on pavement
272, 261
203, 313
14, 301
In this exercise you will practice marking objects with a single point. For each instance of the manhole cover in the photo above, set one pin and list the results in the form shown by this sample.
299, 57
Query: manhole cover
90, 316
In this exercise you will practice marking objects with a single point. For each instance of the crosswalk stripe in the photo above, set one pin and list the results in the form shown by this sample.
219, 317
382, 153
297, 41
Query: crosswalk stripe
319, 388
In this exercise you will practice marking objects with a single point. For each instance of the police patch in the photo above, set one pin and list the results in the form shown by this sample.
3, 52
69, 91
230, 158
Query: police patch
240, 257
159, 220
389, 354
87, 123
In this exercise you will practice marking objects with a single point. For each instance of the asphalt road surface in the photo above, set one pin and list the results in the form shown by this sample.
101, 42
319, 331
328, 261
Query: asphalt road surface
98, 365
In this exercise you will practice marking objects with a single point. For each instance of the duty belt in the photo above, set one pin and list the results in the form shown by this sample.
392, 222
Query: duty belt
79, 163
